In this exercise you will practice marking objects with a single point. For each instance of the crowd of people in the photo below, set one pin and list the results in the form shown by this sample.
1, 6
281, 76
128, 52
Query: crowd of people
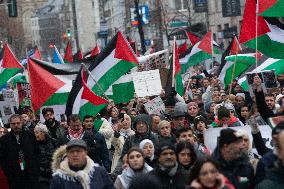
126, 148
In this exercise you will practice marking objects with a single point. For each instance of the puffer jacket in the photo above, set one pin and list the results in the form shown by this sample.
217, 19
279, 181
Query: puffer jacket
134, 140
46, 149
91, 177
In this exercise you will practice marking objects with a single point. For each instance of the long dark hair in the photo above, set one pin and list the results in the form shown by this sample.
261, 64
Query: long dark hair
186, 145
194, 174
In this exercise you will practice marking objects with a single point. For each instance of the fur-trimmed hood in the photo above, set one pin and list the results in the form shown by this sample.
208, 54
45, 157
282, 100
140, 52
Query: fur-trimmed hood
61, 168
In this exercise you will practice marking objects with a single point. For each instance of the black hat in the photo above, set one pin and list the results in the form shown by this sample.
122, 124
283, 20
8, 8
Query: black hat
178, 113
278, 128
228, 136
76, 143
165, 146
197, 119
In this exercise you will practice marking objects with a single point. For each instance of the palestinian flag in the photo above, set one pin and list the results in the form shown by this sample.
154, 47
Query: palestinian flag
270, 35
50, 83
88, 94
68, 57
236, 47
114, 61
9, 65
182, 48
269, 64
78, 56
192, 38
200, 51
177, 71
271, 8
122, 90
243, 63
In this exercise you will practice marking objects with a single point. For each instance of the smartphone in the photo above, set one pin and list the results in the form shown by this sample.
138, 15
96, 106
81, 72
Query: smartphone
121, 116
63, 118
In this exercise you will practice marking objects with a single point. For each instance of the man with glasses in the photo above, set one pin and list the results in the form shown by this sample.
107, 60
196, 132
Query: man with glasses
19, 156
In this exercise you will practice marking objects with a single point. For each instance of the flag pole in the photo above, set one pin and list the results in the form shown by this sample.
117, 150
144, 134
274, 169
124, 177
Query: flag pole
256, 31
233, 74
90, 74
212, 47
174, 66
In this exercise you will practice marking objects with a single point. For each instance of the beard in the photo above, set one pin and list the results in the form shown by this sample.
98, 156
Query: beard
50, 122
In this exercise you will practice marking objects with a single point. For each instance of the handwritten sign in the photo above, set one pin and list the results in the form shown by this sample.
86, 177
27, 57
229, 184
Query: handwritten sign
147, 83
24, 94
6, 110
155, 106
211, 136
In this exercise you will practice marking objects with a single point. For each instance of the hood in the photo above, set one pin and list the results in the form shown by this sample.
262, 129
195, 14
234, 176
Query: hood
142, 117
58, 156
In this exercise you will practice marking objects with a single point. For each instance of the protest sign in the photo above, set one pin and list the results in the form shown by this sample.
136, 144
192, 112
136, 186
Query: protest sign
211, 136
6, 110
155, 106
24, 94
154, 61
58, 111
147, 83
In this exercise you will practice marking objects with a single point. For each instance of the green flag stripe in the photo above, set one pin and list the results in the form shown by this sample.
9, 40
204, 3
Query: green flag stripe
112, 75
268, 47
57, 99
277, 10
7, 73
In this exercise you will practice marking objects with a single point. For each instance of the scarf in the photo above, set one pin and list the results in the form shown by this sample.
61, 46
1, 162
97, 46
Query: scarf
75, 134
170, 171
83, 176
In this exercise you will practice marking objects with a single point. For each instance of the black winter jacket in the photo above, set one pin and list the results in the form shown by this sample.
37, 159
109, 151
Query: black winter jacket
235, 170
46, 149
176, 181
9, 160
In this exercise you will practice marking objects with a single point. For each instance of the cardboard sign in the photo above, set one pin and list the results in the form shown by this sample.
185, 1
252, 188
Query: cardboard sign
147, 83
6, 110
24, 94
211, 136
155, 106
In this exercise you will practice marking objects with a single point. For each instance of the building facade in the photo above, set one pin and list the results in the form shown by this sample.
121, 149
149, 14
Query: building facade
17, 31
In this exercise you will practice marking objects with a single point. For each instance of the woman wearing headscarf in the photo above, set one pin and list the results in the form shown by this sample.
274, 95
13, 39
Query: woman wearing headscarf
148, 149
137, 167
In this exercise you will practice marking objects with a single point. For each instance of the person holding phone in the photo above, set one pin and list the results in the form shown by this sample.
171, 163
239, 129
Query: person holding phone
205, 174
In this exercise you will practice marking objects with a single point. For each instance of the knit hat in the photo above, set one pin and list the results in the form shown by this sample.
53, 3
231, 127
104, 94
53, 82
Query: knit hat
165, 146
228, 136
197, 119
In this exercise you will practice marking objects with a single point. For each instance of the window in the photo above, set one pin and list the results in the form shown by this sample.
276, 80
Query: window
226, 26
219, 28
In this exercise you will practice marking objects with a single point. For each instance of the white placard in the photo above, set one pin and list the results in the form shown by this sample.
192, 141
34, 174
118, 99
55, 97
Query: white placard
58, 110
6, 110
155, 106
147, 83
212, 134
